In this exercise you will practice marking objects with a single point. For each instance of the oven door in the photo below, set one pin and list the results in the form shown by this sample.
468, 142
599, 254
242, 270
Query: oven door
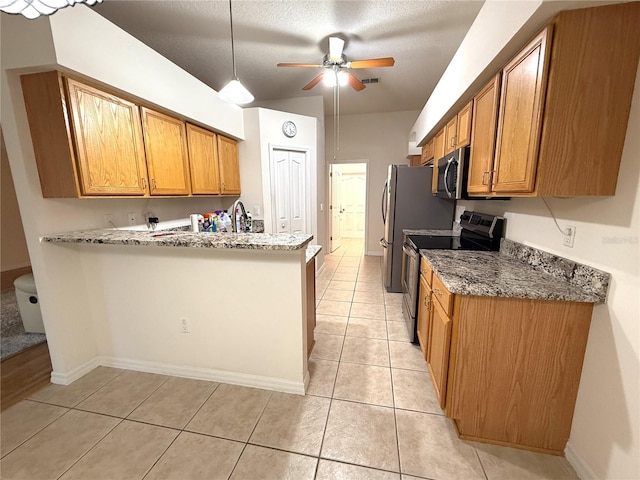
410, 277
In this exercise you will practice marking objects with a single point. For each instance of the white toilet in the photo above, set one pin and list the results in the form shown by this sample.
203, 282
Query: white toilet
28, 303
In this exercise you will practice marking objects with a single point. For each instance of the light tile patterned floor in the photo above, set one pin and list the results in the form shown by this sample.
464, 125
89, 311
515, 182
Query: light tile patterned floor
370, 412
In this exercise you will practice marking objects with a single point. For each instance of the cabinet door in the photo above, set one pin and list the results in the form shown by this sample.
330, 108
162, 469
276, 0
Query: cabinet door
229, 166
463, 135
165, 142
520, 120
439, 344
483, 137
109, 145
203, 160
450, 130
424, 315
438, 153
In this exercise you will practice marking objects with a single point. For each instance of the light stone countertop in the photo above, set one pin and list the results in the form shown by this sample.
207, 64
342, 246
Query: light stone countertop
312, 251
498, 274
172, 238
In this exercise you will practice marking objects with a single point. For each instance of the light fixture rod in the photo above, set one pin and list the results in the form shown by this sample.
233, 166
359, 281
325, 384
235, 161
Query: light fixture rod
233, 52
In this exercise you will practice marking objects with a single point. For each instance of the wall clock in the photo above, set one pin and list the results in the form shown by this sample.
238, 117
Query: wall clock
289, 129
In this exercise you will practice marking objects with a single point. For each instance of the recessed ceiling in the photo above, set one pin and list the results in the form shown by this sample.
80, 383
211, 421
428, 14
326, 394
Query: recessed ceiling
421, 35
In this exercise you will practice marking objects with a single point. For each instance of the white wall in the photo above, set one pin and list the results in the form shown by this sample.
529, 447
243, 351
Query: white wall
379, 139
245, 309
14, 252
86, 42
310, 107
605, 437
265, 128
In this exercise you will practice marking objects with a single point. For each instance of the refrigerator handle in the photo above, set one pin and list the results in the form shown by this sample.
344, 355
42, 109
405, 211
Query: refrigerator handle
384, 203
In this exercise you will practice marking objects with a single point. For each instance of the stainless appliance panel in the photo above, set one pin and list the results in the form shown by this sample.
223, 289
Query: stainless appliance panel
409, 205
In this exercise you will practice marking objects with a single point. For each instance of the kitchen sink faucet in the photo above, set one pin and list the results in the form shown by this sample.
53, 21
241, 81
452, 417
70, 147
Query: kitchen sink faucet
234, 218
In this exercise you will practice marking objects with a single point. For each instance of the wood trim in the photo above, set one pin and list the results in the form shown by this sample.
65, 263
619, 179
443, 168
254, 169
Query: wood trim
547, 451
8, 276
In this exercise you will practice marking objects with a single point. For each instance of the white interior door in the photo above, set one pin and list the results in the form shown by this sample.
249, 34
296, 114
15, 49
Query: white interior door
289, 191
354, 187
336, 207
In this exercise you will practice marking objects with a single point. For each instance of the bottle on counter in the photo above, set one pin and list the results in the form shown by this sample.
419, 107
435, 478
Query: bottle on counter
249, 225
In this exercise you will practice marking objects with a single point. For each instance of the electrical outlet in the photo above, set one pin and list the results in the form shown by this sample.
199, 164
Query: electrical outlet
256, 210
185, 327
108, 220
569, 236
322, 207
133, 219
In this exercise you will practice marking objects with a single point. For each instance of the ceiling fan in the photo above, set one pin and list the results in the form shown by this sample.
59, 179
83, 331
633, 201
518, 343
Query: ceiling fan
337, 66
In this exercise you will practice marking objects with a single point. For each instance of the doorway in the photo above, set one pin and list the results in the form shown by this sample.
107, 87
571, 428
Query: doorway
348, 203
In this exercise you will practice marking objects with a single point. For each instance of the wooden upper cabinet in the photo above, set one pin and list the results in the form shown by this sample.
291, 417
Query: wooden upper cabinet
165, 142
520, 119
483, 137
427, 152
565, 105
450, 132
108, 136
203, 158
229, 166
438, 153
463, 135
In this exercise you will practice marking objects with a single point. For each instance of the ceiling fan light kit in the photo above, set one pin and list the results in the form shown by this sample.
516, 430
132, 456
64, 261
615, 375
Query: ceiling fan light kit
234, 91
34, 8
336, 66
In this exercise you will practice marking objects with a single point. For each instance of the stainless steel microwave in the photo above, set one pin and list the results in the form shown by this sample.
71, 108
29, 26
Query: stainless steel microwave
452, 170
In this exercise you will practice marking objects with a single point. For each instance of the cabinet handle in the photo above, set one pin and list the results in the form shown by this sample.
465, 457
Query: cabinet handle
493, 177
154, 185
143, 182
437, 292
485, 181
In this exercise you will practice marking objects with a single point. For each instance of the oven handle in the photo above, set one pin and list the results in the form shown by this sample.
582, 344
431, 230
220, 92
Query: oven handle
384, 243
410, 252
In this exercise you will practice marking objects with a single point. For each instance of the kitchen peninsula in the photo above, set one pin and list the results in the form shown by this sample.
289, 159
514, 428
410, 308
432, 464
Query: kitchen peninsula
227, 307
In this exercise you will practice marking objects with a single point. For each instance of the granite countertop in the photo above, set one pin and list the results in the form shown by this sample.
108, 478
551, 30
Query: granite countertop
163, 238
454, 232
498, 274
312, 251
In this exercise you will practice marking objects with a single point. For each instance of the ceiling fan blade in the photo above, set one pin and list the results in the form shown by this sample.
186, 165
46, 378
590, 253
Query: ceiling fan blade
309, 65
356, 84
336, 44
373, 63
313, 82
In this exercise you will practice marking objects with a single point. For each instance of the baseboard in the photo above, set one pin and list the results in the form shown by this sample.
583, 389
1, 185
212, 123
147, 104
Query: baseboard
581, 467
320, 269
373, 254
75, 374
8, 276
242, 379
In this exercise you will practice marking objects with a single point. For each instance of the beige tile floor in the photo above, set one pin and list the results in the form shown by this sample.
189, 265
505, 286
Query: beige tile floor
370, 412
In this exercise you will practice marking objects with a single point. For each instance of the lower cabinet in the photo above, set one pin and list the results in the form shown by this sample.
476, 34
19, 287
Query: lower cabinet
507, 370
424, 315
439, 343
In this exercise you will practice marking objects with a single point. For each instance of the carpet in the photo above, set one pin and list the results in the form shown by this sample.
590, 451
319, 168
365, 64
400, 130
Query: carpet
13, 338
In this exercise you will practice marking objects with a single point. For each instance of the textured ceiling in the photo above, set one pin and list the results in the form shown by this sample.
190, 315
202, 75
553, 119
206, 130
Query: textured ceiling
421, 35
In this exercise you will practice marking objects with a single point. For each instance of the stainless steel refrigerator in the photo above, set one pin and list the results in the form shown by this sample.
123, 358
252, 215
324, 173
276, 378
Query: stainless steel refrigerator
407, 203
